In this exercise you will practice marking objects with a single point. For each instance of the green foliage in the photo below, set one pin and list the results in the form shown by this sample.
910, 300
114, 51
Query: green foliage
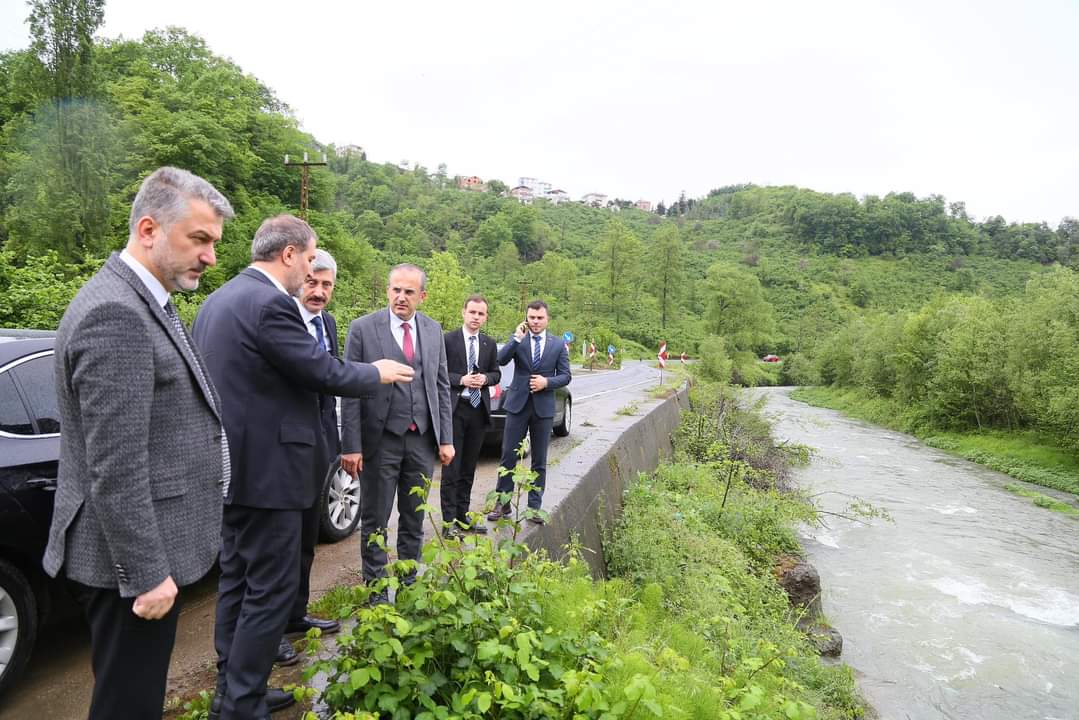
1043, 501
715, 362
963, 362
737, 309
701, 547
36, 294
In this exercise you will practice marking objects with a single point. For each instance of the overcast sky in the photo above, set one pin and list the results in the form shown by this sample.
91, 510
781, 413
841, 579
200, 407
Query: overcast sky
976, 101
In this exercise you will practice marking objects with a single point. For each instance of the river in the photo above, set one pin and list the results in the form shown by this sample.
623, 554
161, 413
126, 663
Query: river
967, 605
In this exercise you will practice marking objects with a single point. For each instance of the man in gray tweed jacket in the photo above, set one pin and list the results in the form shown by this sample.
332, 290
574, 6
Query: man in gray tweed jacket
139, 492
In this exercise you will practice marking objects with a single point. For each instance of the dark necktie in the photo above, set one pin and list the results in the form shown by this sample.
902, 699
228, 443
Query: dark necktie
535, 350
319, 334
473, 393
178, 325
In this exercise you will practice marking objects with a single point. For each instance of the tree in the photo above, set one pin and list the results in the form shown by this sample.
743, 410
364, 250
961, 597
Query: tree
447, 288
619, 256
737, 310
496, 187
665, 269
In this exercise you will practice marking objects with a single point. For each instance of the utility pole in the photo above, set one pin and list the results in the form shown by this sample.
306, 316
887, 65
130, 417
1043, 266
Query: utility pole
305, 174
524, 284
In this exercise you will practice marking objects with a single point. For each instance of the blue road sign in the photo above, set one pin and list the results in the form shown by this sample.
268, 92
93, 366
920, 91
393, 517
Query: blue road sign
567, 336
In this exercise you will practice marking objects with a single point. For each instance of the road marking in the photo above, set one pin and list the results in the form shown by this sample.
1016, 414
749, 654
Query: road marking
608, 392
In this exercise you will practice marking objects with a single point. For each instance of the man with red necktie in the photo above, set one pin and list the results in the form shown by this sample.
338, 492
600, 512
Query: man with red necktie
392, 437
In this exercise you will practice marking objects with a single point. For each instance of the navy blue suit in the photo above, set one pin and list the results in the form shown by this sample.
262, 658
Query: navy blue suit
529, 412
270, 373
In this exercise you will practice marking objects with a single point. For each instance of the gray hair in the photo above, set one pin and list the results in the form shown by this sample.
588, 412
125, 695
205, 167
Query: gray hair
277, 233
412, 268
324, 261
166, 192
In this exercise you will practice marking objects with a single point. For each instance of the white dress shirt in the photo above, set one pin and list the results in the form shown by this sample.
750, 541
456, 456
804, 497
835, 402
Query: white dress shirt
161, 295
398, 332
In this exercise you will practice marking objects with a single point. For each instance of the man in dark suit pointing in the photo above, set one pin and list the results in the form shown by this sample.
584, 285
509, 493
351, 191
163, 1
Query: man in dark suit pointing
270, 372
137, 514
473, 368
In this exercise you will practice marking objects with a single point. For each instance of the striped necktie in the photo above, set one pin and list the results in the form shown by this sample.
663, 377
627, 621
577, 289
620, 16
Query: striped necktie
535, 350
473, 393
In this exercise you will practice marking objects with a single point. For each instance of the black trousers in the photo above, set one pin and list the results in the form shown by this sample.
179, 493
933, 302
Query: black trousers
129, 655
260, 552
398, 464
469, 430
308, 539
539, 433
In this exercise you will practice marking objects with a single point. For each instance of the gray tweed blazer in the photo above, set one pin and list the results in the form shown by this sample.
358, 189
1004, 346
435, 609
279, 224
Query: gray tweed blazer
138, 494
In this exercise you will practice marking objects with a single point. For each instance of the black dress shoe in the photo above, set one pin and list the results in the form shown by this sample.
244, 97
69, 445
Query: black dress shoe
286, 654
215, 706
477, 527
307, 622
380, 598
500, 512
278, 699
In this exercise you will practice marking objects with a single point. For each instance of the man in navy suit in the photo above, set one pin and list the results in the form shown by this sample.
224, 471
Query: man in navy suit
314, 297
270, 373
472, 364
541, 364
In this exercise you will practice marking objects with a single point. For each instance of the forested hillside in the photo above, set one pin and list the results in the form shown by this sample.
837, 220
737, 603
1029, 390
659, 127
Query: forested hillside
743, 271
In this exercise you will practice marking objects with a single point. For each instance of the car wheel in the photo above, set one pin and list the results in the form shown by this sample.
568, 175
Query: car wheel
562, 429
18, 623
340, 505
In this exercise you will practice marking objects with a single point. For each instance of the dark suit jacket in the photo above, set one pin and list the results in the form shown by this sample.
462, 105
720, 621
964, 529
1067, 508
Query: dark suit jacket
138, 495
553, 365
457, 365
270, 373
369, 339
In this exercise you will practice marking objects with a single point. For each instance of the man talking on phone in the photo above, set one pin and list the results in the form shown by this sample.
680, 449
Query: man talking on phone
541, 365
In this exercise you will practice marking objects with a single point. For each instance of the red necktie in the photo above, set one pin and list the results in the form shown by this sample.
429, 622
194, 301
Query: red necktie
406, 344
410, 353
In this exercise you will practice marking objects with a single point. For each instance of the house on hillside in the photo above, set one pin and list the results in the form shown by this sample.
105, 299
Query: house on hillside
523, 194
645, 205
538, 187
595, 200
557, 197
472, 182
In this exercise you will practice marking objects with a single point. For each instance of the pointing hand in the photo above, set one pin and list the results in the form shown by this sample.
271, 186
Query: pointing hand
391, 371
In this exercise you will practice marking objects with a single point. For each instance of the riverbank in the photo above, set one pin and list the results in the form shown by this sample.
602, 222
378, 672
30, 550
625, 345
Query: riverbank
689, 622
1025, 456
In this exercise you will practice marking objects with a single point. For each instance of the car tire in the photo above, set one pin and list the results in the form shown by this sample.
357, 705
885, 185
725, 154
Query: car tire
340, 504
562, 428
18, 623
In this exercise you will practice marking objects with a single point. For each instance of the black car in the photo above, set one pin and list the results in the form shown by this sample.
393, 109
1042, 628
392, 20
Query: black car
29, 453
29, 450
563, 411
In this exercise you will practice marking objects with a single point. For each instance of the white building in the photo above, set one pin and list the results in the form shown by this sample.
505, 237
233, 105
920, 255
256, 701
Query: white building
523, 193
595, 199
538, 187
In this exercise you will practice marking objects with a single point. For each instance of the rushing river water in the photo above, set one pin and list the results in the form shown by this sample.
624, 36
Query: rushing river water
967, 605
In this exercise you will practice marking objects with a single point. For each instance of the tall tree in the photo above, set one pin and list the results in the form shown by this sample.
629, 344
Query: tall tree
619, 255
665, 265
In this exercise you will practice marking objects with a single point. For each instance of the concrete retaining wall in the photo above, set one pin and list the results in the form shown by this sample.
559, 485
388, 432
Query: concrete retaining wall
585, 488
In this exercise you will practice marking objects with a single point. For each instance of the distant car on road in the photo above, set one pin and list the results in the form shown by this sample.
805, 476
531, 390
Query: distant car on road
29, 454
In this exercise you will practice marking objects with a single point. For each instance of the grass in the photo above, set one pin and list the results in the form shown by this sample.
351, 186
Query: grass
630, 409
1024, 455
1043, 501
